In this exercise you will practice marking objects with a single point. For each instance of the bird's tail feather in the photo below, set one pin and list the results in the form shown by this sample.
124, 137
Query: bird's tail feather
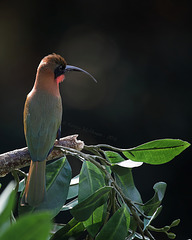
35, 186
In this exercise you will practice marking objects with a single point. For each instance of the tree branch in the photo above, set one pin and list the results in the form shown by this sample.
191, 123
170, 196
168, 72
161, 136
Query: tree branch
20, 158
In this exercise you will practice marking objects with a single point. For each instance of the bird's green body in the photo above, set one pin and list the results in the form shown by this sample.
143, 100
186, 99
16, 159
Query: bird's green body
42, 120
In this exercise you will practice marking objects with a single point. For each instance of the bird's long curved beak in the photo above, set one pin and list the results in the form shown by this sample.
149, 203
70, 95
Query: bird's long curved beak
69, 68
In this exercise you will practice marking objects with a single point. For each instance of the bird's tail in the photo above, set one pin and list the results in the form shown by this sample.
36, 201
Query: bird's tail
35, 186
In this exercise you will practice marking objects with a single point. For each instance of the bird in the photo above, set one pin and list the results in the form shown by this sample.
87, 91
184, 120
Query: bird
42, 118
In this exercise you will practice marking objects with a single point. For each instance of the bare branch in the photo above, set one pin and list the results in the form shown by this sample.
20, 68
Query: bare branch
20, 158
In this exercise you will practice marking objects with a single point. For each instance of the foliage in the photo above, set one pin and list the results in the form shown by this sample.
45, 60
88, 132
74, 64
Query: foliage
27, 227
103, 199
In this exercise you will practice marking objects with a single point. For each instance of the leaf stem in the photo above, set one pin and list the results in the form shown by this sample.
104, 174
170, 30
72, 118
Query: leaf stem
100, 146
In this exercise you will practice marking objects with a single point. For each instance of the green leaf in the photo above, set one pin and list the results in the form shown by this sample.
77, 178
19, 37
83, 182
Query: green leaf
157, 152
155, 214
175, 223
73, 188
72, 229
84, 209
137, 236
58, 177
56, 227
117, 227
116, 159
91, 179
96, 220
124, 179
132, 228
21, 185
113, 157
7, 200
70, 205
151, 206
129, 164
171, 235
29, 227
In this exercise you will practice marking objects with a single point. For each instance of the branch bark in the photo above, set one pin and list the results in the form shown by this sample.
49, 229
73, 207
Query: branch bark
20, 158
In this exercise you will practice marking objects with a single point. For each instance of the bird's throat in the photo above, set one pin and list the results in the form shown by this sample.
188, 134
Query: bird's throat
60, 79
48, 84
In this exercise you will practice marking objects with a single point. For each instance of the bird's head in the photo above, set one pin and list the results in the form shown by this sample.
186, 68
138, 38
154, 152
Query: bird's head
56, 65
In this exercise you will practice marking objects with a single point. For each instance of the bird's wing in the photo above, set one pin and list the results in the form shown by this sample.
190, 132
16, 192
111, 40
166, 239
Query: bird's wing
41, 122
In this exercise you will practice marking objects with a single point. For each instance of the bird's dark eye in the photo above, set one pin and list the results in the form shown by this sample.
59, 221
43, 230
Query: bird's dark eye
61, 67
59, 71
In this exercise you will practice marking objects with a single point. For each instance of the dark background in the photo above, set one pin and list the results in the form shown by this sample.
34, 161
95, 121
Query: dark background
140, 53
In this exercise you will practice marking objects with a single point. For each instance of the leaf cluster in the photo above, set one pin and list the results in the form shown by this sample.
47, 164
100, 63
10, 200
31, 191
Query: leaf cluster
103, 200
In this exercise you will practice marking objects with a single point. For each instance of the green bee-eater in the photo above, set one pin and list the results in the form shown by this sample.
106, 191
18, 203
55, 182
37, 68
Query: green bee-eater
42, 122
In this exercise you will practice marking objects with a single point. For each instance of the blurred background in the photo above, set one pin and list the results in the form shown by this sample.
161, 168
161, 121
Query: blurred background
139, 51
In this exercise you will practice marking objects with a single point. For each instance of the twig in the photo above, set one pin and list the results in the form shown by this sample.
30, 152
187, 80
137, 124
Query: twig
20, 158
